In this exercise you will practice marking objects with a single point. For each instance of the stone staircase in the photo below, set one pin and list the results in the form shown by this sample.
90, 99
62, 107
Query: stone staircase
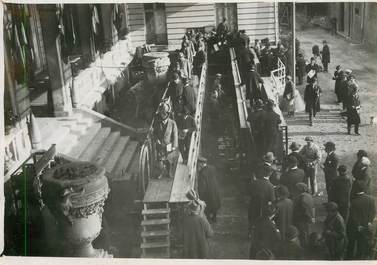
91, 137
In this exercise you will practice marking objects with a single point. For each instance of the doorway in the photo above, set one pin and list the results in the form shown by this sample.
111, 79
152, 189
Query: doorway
341, 17
228, 11
155, 20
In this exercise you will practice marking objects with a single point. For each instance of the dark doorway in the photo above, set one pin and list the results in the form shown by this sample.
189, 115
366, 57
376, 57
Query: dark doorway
341, 17
155, 20
228, 11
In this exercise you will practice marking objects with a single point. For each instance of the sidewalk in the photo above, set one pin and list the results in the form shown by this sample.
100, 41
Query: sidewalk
329, 126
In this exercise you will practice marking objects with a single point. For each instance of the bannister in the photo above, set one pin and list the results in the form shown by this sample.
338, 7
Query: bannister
278, 76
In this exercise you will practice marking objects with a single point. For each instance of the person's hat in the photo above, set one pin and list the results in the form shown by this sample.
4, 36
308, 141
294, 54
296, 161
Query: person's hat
259, 104
289, 77
175, 76
202, 159
282, 191
331, 206
164, 110
291, 232
312, 59
269, 157
309, 139
252, 66
337, 67
294, 146
270, 103
192, 195
302, 187
365, 161
218, 75
342, 169
359, 186
330, 145
348, 71
362, 153
292, 161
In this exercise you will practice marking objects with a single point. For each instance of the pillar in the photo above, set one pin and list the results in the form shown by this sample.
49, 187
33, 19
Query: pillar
59, 73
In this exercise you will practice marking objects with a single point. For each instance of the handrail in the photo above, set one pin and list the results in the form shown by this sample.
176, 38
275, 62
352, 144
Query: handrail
280, 71
196, 136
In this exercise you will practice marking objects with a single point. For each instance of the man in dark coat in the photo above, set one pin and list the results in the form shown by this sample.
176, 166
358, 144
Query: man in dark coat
289, 248
340, 192
311, 69
199, 60
256, 119
361, 170
268, 162
312, 99
261, 194
245, 60
330, 166
353, 111
186, 126
196, 231
292, 176
208, 188
271, 127
295, 148
359, 227
337, 77
175, 90
222, 30
325, 56
189, 98
284, 210
334, 232
266, 235
303, 212
300, 68
315, 50
253, 85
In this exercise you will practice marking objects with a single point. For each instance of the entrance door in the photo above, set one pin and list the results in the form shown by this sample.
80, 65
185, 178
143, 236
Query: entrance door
228, 11
155, 19
341, 17
357, 23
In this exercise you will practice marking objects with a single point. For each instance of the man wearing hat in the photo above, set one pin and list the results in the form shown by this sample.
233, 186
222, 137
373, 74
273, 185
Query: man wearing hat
312, 99
295, 148
261, 194
300, 68
337, 77
330, 166
353, 110
271, 127
199, 59
303, 212
340, 192
165, 132
266, 234
186, 126
268, 162
289, 248
311, 69
343, 88
256, 119
359, 228
185, 66
334, 232
189, 97
196, 232
289, 96
208, 189
175, 90
284, 210
325, 56
361, 169
253, 85
312, 157
292, 176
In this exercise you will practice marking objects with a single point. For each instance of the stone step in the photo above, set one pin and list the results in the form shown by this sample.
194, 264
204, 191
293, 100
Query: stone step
67, 143
155, 245
85, 140
124, 161
95, 144
155, 222
116, 153
156, 233
155, 211
103, 153
56, 137
76, 128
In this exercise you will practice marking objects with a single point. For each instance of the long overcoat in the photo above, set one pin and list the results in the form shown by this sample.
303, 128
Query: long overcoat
208, 188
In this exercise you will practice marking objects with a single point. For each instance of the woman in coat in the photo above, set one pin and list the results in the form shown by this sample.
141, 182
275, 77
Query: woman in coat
312, 99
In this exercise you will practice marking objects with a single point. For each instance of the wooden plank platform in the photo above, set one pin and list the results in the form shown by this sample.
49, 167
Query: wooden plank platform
181, 184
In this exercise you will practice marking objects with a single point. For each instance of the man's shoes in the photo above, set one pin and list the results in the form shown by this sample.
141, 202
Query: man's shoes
358, 134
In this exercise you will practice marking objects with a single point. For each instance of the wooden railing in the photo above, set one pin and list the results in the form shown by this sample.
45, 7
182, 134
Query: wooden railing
278, 77
196, 136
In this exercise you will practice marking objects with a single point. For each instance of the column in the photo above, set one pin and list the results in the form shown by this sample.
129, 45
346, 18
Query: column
59, 73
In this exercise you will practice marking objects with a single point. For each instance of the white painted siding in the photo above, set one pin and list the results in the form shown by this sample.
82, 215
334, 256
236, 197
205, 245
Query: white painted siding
180, 16
136, 23
259, 20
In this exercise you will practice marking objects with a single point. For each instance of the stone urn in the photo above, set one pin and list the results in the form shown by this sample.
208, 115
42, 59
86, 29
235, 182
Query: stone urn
75, 193
156, 65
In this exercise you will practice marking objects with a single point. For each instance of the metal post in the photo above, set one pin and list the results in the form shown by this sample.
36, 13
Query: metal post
294, 41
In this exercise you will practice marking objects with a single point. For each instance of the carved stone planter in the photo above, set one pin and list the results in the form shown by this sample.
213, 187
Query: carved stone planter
75, 193
156, 65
